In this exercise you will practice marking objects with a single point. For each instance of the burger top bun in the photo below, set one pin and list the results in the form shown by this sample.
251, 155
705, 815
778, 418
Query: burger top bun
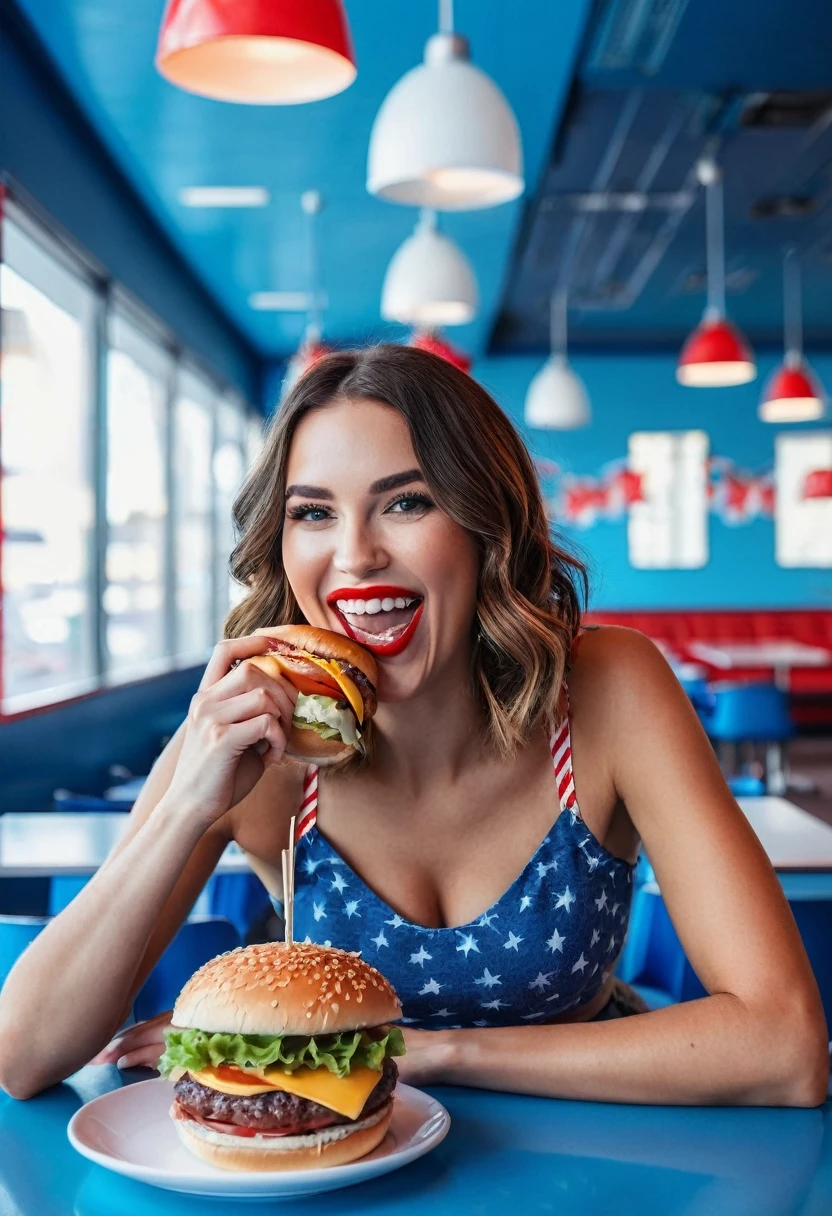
276, 989
326, 644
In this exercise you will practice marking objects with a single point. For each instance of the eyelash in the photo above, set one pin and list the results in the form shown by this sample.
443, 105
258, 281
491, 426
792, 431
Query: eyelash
303, 509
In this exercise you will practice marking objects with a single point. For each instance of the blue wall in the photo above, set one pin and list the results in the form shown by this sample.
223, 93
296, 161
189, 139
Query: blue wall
47, 148
640, 393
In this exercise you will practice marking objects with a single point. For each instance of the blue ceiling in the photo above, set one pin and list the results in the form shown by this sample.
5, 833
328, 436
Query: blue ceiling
642, 110
164, 139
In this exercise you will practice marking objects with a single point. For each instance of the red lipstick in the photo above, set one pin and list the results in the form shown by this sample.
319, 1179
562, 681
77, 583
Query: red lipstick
377, 591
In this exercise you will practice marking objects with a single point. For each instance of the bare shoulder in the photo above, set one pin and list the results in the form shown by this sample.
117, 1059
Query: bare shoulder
613, 660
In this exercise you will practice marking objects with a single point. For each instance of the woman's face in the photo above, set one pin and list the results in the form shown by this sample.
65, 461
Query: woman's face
367, 551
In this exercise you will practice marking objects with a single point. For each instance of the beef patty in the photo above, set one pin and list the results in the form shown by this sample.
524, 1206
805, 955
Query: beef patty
275, 1111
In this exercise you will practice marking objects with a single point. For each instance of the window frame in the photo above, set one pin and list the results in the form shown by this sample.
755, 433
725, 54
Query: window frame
110, 300
675, 435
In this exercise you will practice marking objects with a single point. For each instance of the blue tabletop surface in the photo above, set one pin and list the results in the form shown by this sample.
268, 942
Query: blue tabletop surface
506, 1155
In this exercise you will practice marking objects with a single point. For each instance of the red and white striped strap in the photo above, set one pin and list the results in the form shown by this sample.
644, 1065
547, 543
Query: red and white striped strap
560, 745
308, 812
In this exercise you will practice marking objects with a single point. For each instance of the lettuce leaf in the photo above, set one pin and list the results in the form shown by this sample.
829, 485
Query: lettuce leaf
330, 718
192, 1050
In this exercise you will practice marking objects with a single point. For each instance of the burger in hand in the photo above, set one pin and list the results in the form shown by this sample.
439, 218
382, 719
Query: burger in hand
335, 679
282, 1058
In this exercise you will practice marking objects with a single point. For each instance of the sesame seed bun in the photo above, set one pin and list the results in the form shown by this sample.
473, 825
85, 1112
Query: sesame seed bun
337, 1145
327, 644
275, 989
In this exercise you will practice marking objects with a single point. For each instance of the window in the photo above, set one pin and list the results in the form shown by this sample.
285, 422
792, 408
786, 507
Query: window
669, 529
193, 441
48, 511
803, 526
138, 377
229, 468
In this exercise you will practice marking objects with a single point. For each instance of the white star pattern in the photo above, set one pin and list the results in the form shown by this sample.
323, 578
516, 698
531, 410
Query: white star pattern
581, 964
555, 942
444, 1013
542, 981
487, 980
601, 901
396, 922
592, 862
318, 911
543, 868
594, 969
379, 941
614, 909
482, 1022
612, 944
351, 908
596, 937
525, 902
554, 997
565, 900
311, 865
495, 1004
468, 944
338, 883
431, 987
513, 941
485, 920
420, 956
530, 1017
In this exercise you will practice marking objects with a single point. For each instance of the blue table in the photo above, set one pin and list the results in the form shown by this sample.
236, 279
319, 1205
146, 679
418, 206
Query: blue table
504, 1155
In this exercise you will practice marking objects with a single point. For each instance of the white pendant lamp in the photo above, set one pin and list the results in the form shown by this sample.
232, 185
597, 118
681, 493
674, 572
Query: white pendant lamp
429, 281
557, 398
716, 354
793, 394
445, 136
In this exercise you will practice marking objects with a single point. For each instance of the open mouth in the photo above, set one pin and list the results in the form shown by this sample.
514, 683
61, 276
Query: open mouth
384, 619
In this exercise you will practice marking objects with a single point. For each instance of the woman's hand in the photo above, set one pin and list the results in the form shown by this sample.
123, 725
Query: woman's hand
428, 1057
237, 725
138, 1045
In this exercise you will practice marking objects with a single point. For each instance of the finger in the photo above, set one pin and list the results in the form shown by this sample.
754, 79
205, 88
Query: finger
229, 652
248, 734
147, 1056
242, 679
133, 1036
249, 705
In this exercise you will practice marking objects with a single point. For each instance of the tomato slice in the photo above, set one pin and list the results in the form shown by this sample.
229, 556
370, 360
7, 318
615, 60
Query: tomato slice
314, 688
228, 1072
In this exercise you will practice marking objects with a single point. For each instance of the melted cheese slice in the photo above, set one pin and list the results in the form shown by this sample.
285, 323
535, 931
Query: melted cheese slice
346, 1096
347, 686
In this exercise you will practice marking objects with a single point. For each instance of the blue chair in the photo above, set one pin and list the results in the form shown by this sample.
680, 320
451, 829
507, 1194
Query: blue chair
16, 933
198, 940
240, 898
752, 713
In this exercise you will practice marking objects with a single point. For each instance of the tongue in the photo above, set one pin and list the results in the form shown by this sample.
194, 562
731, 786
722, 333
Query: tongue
381, 622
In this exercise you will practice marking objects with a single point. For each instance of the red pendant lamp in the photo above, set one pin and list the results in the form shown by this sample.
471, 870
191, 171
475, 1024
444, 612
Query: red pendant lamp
261, 52
716, 354
435, 344
793, 393
818, 484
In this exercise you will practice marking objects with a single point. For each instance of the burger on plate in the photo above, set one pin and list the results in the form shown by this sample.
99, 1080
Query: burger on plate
335, 679
282, 1058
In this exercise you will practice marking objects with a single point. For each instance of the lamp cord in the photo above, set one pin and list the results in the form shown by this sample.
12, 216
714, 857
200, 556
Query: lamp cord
792, 311
715, 245
446, 16
558, 309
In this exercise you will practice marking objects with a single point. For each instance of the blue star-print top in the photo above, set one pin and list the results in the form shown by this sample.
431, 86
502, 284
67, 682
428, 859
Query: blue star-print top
547, 945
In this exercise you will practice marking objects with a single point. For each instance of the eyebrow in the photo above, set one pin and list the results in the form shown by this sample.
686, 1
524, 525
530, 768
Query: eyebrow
394, 482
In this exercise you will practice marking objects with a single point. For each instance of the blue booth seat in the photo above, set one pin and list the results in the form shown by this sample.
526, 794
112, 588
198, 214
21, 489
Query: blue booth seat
16, 933
752, 713
199, 940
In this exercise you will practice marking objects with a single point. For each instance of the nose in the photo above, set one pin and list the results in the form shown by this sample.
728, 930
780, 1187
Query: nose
359, 553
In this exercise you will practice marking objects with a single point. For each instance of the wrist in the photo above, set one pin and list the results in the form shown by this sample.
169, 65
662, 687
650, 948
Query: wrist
179, 817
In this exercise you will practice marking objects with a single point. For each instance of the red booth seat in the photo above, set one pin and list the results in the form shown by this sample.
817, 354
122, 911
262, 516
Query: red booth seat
811, 687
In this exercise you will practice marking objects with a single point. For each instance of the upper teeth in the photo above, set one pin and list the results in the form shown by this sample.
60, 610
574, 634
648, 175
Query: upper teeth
359, 607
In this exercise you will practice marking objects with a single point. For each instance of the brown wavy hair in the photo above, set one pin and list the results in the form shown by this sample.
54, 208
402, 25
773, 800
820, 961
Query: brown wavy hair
530, 589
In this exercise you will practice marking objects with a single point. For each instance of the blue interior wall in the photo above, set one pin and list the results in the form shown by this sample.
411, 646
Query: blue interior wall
47, 148
631, 393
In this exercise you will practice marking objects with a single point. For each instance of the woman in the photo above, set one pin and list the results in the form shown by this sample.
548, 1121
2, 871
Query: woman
455, 858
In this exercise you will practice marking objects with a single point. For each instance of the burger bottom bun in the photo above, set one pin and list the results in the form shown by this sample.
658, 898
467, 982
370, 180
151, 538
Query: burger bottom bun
312, 1151
306, 744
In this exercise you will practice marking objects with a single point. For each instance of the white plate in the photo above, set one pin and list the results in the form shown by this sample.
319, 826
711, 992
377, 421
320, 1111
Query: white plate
130, 1132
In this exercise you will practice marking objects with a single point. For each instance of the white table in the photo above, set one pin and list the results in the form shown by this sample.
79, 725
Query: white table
781, 654
50, 844
792, 838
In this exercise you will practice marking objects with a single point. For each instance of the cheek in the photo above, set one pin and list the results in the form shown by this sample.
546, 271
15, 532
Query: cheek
304, 556
450, 565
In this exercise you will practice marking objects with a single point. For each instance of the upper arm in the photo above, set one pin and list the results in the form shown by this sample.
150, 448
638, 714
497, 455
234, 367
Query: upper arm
722, 895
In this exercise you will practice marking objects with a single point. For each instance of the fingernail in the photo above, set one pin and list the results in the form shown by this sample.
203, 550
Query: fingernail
121, 1062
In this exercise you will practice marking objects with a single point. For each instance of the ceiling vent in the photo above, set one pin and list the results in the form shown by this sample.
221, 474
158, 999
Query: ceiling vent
634, 35
787, 109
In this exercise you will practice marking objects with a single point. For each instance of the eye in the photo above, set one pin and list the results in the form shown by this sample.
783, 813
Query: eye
410, 504
309, 512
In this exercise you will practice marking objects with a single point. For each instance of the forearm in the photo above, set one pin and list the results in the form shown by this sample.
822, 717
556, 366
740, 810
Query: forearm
66, 995
714, 1051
